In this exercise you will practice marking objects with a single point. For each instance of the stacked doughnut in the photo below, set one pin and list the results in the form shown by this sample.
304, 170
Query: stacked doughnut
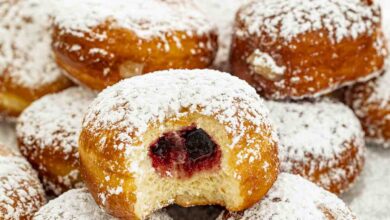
21, 193
48, 132
289, 49
100, 42
164, 130
27, 67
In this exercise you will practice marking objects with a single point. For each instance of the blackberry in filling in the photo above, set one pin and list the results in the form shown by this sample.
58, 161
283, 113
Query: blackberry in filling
185, 152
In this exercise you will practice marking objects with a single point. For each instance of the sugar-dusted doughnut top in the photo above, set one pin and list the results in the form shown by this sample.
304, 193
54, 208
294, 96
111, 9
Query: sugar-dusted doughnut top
54, 121
323, 129
25, 37
293, 197
287, 19
146, 18
132, 105
78, 204
20, 190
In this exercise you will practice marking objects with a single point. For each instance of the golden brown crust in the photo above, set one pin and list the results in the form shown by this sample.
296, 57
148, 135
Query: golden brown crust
128, 55
14, 98
314, 65
51, 165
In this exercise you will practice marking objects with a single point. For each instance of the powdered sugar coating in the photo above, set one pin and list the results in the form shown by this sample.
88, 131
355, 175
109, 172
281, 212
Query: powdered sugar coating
25, 38
288, 19
78, 204
132, 104
222, 13
378, 99
293, 197
316, 134
53, 123
21, 193
146, 18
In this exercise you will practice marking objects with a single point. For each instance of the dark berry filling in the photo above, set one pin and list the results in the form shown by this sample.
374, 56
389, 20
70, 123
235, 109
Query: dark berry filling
185, 152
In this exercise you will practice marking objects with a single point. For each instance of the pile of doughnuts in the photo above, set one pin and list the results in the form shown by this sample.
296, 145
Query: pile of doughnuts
119, 115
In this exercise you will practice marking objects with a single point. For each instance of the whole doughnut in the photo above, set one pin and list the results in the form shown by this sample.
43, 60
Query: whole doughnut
48, 132
101, 42
27, 67
294, 49
21, 193
321, 141
190, 137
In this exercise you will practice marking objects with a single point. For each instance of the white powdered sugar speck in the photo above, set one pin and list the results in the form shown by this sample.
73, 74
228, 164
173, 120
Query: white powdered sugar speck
287, 19
146, 18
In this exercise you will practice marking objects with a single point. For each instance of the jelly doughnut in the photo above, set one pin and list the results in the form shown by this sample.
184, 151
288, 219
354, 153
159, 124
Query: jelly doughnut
294, 49
21, 193
48, 132
186, 137
322, 141
101, 42
27, 67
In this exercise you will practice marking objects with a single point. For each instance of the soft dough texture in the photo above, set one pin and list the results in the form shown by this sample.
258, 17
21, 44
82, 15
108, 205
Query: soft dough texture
48, 133
27, 67
125, 121
21, 193
100, 42
371, 103
292, 197
294, 49
322, 141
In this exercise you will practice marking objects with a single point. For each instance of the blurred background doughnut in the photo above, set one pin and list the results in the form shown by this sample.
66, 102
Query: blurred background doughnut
48, 133
294, 49
100, 42
27, 67
371, 103
21, 193
321, 141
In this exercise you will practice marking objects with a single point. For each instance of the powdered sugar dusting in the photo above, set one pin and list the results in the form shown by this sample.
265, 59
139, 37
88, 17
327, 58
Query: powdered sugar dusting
322, 129
25, 52
54, 122
78, 204
287, 19
147, 18
293, 197
20, 191
131, 105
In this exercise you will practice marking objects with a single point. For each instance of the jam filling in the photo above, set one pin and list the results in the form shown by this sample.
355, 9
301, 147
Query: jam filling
183, 153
